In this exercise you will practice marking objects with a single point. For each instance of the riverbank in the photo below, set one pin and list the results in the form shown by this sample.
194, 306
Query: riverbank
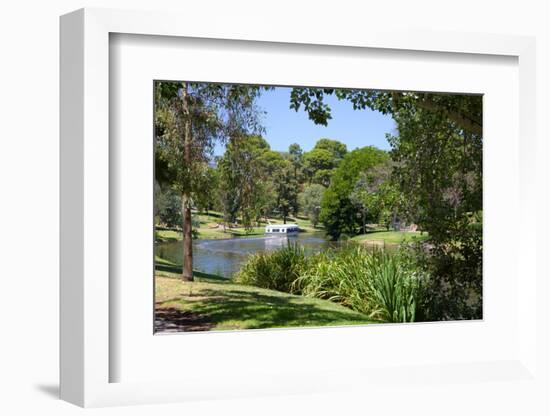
390, 237
211, 228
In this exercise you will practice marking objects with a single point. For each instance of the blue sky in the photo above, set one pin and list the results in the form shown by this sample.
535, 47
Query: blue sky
284, 126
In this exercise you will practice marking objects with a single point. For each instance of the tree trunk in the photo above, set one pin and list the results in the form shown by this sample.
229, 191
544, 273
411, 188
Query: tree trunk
187, 269
187, 243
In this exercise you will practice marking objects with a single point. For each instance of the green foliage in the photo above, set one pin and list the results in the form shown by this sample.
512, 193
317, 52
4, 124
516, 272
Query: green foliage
189, 119
457, 267
394, 289
310, 202
168, 207
338, 213
296, 157
436, 183
439, 166
440, 169
381, 284
244, 185
320, 162
318, 166
464, 111
212, 112
275, 270
208, 180
377, 196
286, 189
337, 149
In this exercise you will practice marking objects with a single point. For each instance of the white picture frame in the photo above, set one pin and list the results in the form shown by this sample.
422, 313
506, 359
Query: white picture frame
86, 356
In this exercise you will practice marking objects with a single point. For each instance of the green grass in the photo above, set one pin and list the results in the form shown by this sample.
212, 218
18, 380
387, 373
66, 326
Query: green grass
203, 305
211, 302
164, 235
209, 229
391, 237
165, 268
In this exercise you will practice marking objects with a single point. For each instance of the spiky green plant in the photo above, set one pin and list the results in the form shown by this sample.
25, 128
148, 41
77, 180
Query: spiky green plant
274, 270
382, 284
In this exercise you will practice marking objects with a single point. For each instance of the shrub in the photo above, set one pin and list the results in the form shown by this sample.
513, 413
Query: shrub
381, 284
455, 289
385, 285
275, 270
395, 288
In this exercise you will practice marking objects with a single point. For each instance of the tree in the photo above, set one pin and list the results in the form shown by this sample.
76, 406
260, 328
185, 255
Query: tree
310, 202
440, 168
438, 154
464, 111
286, 189
245, 179
361, 196
189, 119
207, 181
376, 195
168, 206
296, 155
320, 162
318, 165
338, 213
337, 149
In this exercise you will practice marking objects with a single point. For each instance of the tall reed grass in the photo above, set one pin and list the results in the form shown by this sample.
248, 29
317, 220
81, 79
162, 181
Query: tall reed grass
385, 285
275, 270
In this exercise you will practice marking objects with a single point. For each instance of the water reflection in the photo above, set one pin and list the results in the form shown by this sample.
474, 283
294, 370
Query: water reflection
225, 257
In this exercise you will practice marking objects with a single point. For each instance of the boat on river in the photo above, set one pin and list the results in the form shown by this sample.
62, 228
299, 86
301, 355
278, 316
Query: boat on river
279, 229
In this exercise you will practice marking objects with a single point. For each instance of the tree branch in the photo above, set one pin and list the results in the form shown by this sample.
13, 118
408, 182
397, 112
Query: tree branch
465, 122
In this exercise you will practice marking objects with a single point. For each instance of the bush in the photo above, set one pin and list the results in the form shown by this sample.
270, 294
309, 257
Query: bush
275, 270
381, 284
384, 285
168, 207
395, 288
456, 288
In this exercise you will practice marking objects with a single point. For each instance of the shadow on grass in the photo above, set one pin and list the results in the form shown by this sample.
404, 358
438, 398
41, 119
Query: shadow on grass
198, 276
234, 308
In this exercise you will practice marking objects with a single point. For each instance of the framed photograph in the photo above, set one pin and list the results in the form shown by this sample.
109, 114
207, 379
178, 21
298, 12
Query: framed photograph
286, 213
255, 231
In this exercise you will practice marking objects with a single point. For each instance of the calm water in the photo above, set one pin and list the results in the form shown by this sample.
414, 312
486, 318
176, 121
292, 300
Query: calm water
225, 257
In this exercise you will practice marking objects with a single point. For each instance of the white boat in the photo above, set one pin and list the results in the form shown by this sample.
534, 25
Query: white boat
282, 229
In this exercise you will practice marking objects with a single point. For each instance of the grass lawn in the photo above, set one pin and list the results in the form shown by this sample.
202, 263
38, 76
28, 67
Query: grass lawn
165, 268
167, 235
214, 303
391, 237
207, 304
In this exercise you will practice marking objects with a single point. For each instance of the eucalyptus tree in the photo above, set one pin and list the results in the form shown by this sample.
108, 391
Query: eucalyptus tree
286, 189
310, 202
296, 155
189, 119
245, 180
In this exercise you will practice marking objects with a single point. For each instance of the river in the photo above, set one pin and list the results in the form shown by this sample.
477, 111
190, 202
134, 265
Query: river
225, 257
